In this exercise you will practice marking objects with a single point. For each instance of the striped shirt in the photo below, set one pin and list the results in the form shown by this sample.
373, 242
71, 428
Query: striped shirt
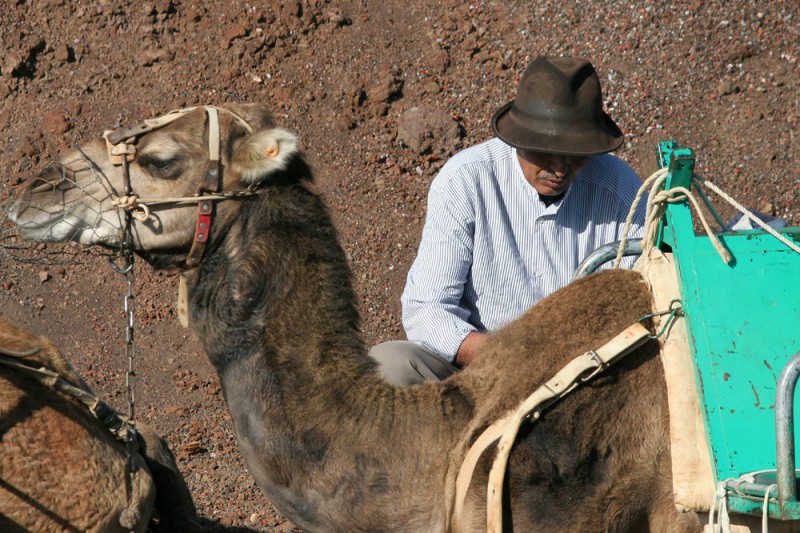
491, 248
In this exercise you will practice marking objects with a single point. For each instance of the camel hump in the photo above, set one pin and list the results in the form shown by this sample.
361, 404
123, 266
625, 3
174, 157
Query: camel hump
37, 351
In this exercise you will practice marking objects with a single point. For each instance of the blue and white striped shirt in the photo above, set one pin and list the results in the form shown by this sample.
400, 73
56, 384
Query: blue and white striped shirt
490, 247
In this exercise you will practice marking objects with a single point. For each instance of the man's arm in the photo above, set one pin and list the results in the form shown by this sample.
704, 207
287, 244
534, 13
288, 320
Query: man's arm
470, 348
432, 311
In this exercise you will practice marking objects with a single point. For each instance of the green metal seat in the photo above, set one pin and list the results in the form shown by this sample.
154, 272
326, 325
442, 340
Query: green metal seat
743, 324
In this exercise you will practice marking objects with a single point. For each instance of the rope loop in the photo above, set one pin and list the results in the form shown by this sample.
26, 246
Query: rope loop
656, 207
765, 508
125, 202
138, 210
675, 310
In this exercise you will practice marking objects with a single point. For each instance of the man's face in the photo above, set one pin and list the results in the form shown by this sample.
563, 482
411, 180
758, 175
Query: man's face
550, 174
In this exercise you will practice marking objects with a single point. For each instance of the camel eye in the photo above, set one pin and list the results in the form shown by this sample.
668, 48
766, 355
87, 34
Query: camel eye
161, 167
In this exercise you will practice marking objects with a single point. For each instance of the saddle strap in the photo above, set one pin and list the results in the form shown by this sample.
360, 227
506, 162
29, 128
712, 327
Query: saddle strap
507, 427
118, 427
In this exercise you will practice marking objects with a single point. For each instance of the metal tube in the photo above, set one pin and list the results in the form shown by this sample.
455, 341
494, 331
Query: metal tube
606, 253
744, 488
784, 430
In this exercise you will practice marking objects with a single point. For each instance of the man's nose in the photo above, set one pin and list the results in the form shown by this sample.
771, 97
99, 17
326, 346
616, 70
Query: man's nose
558, 164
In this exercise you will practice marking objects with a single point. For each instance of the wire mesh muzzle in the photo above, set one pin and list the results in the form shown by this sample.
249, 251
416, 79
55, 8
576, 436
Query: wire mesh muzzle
69, 192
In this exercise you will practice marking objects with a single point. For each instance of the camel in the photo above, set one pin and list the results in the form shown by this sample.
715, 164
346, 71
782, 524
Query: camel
272, 301
61, 468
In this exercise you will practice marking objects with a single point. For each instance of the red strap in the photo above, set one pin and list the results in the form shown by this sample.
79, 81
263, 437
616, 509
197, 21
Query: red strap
204, 211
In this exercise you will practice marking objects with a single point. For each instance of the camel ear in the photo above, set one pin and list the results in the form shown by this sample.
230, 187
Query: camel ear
262, 153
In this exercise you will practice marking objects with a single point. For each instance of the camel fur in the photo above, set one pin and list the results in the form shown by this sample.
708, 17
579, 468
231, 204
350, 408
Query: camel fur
61, 469
333, 446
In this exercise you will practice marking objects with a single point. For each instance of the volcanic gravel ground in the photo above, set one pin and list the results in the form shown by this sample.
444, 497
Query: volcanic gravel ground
380, 95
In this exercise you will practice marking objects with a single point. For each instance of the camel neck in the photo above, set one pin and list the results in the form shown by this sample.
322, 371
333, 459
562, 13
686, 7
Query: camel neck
274, 307
278, 277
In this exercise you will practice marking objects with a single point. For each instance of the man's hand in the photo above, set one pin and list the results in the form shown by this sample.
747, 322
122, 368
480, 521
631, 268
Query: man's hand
469, 348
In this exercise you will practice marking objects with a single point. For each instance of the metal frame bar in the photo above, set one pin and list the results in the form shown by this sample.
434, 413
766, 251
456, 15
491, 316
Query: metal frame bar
784, 430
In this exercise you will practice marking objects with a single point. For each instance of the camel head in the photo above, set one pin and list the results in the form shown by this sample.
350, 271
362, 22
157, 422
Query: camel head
82, 196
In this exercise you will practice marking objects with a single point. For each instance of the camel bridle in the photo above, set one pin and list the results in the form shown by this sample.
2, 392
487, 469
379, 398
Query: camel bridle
121, 145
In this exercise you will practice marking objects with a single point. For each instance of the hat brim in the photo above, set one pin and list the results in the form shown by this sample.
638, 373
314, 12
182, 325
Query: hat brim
580, 140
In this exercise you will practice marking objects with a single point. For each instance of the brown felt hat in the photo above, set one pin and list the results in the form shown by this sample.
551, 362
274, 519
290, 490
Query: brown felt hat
558, 110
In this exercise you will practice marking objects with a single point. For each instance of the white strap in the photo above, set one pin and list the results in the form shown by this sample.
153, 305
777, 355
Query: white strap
507, 427
213, 133
183, 301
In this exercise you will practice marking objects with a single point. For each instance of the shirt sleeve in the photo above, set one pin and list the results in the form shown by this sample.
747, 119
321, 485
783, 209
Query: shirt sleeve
432, 311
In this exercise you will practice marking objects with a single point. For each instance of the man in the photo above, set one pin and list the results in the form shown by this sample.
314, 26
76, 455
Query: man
510, 220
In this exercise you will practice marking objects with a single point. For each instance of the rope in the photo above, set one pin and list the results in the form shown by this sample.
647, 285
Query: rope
141, 208
140, 211
654, 182
671, 197
656, 206
721, 501
746, 212
765, 509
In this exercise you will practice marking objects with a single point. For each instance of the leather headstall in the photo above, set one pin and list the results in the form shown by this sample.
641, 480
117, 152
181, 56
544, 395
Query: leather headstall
121, 146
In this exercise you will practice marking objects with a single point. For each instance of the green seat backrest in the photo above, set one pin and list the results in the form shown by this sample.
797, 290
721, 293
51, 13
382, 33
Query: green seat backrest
743, 322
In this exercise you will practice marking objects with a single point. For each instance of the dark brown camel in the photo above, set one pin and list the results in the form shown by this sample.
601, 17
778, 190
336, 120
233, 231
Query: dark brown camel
334, 447
61, 469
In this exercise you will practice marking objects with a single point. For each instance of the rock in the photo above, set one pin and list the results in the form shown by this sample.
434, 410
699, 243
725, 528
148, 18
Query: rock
425, 130
385, 85
233, 32
62, 53
55, 122
725, 87
151, 57
12, 64
439, 60
290, 11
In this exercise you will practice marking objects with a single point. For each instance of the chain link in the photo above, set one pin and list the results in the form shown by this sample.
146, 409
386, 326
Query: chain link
129, 305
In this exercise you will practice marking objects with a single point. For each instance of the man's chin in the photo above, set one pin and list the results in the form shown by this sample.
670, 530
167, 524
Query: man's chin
552, 189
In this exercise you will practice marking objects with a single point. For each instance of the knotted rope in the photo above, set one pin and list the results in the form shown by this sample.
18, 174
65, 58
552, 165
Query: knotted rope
140, 209
746, 212
657, 205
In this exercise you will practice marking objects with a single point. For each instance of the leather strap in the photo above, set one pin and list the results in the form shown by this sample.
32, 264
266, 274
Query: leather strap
212, 182
506, 428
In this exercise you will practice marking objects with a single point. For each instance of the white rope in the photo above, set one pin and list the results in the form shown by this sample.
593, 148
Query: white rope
718, 246
721, 502
654, 182
746, 212
765, 510
713, 511
656, 205
141, 209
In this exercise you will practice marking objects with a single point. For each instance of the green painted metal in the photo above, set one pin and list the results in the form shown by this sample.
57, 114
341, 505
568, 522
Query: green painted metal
742, 321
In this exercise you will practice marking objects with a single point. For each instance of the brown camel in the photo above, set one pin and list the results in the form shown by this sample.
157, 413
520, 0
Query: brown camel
61, 469
334, 447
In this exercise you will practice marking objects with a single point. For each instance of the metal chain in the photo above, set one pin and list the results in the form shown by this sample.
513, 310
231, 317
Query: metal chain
129, 306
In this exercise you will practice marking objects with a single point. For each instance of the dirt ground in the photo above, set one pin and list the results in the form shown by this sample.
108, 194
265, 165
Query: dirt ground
380, 94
